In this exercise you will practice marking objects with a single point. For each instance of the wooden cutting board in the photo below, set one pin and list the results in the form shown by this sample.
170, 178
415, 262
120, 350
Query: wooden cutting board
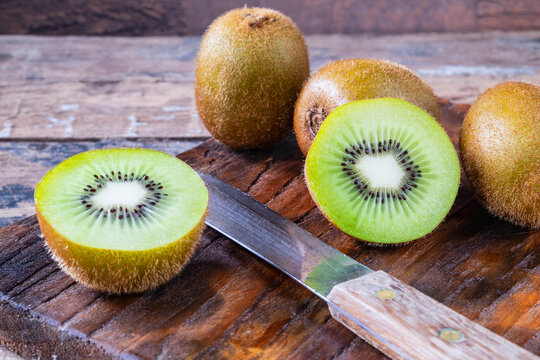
229, 304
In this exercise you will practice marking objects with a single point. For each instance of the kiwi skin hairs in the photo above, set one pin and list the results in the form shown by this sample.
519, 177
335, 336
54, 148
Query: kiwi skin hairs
250, 69
343, 81
500, 151
120, 271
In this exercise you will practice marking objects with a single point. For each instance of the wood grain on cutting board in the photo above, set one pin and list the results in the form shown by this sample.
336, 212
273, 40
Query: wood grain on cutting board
229, 304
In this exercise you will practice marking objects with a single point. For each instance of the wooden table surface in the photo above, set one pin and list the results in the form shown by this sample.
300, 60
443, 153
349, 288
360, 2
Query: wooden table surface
63, 95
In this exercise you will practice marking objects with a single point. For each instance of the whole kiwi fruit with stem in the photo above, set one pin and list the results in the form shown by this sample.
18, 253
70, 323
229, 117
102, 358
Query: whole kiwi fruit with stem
251, 66
121, 220
383, 171
348, 80
499, 144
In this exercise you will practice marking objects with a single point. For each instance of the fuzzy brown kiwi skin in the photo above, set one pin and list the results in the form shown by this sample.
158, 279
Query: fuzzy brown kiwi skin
343, 81
250, 69
120, 271
500, 151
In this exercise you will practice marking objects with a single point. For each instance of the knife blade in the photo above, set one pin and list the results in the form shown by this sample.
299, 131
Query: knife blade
395, 318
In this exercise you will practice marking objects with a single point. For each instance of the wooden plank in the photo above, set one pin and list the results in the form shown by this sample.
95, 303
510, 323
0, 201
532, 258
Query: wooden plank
96, 17
372, 16
168, 17
507, 15
84, 87
80, 87
227, 303
26, 162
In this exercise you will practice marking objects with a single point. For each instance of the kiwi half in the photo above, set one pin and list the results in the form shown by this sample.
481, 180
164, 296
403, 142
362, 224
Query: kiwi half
343, 81
500, 148
121, 220
383, 171
250, 68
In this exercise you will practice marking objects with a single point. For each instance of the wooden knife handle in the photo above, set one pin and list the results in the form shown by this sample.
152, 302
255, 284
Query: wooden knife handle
404, 324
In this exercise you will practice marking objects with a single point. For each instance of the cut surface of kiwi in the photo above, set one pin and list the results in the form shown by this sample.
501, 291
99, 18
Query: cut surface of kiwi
121, 220
383, 171
343, 81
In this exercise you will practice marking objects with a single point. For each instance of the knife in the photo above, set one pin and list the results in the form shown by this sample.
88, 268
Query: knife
392, 316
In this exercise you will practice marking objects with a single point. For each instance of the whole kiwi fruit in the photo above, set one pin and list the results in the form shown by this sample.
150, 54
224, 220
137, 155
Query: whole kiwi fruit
250, 68
500, 150
348, 80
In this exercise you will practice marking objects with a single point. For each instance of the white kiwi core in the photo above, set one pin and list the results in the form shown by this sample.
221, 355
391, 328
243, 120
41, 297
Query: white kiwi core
115, 194
380, 171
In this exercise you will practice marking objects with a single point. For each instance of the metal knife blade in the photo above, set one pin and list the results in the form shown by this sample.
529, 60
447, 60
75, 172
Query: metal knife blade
277, 240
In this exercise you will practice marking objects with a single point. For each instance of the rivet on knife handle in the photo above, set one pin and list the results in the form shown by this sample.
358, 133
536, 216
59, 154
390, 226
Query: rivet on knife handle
416, 326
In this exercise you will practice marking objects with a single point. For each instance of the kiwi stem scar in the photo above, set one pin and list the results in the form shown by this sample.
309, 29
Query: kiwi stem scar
314, 118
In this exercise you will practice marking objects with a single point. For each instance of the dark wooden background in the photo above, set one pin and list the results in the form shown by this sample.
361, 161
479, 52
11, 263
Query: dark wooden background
191, 17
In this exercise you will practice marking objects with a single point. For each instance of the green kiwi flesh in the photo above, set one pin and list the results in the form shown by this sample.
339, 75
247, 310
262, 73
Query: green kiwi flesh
500, 149
121, 220
383, 171
250, 68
